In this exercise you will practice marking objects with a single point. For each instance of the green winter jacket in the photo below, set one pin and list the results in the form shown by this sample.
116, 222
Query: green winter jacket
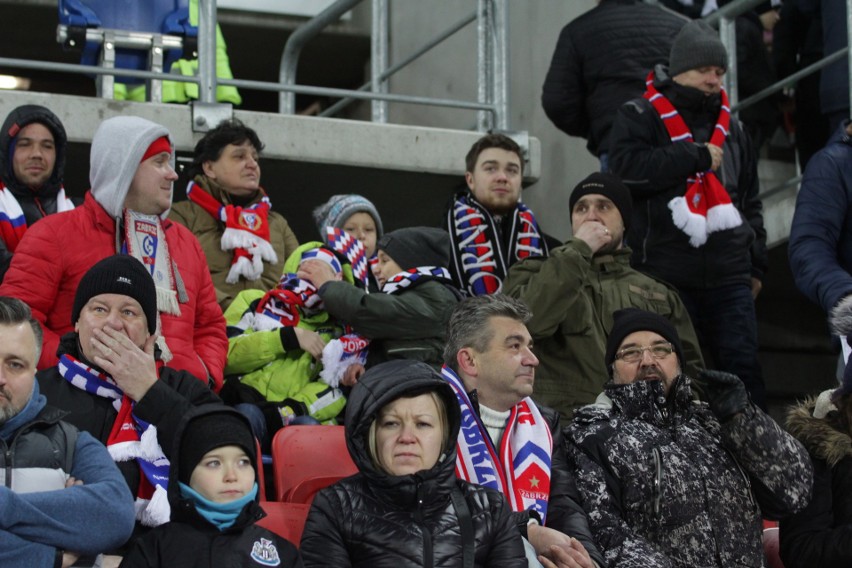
263, 362
573, 295
407, 325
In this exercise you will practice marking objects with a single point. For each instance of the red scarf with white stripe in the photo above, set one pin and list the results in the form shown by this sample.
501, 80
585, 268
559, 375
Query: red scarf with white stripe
706, 206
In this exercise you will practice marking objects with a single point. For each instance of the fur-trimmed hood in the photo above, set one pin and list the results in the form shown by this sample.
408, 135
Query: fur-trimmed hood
820, 438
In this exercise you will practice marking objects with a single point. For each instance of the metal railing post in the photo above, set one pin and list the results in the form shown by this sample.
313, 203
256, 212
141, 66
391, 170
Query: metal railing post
207, 51
484, 72
500, 68
295, 43
849, 44
379, 59
728, 35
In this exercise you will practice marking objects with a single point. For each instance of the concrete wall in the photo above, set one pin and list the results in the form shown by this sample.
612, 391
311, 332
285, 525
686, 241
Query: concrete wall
449, 71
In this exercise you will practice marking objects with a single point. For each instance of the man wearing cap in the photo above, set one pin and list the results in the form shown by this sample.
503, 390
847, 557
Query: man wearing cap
60, 494
32, 163
111, 383
671, 482
697, 218
125, 212
573, 293
490, 228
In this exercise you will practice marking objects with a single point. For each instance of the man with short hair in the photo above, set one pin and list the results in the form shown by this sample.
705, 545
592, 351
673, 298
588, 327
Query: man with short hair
697, 216
490, 229
59, 490
507, 441
125, 212
112, 384
32, 164
671, 482
573, 293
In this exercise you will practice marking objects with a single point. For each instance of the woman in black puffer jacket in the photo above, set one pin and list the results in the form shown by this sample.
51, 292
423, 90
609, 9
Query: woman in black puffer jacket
406, 508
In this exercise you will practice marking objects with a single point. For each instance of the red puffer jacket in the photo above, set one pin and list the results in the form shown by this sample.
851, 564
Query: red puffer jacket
60, 249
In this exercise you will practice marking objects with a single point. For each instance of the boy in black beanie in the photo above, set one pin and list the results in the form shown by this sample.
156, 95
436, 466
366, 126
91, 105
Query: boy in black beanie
214, 501
408, 319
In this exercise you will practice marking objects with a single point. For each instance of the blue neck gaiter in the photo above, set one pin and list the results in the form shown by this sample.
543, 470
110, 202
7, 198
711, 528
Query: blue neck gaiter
220, 515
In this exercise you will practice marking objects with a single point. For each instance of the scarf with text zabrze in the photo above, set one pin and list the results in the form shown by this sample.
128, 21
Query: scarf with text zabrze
520, 467
706, 206
130, 439
246, 232
479, 262
13, 223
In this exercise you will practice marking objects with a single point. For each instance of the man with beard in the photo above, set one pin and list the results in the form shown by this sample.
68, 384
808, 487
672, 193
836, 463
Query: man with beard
669, 482
574, 292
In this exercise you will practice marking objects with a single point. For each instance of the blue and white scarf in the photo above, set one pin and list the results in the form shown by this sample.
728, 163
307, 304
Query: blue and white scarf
406, 279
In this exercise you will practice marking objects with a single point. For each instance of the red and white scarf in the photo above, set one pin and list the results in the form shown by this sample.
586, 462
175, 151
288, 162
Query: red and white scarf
13, 224
520, 467
246, 232
706, 206
129, 439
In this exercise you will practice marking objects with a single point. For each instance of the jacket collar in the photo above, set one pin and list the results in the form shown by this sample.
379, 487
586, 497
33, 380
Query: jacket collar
645, 400
818, 435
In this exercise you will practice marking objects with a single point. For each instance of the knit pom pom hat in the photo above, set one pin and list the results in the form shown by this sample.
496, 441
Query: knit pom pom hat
335, 212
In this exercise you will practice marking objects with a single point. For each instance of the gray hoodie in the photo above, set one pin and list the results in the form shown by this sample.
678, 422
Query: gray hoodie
117, 149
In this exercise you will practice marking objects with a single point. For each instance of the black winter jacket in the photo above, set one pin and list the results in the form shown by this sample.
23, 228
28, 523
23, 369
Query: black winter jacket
377, 520
656, 169
164, 405
601, 61
190, 541
821, 534
34, 203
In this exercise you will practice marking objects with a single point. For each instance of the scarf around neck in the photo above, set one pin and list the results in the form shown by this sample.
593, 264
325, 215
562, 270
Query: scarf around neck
706, 206
246, 232
520, 467
479, 262
130, 439
13, 222
406, 279
145, 240
220, 515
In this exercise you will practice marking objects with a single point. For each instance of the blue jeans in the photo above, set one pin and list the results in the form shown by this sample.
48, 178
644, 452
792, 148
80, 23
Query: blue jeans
726, 323
260, 428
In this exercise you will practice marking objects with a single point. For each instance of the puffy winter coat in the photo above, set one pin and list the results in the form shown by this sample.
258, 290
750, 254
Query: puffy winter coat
572, 295
377, 520
600, 62
656, 169
209, 233
666, 485
820, 248
819, 536
58, 250
190, 541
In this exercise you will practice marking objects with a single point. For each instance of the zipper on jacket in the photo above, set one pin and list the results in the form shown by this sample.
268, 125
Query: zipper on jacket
8, 459
658, 481
428, 560
647, 233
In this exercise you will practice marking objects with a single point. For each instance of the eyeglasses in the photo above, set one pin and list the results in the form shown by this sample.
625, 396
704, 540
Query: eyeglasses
635, 354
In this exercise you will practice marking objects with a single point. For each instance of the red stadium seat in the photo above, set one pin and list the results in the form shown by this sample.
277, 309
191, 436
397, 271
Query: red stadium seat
771, 548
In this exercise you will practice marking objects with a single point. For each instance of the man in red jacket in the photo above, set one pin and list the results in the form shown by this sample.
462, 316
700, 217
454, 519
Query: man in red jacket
125, 212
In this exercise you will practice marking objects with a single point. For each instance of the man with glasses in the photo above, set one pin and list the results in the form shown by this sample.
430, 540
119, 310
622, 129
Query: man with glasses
671, 482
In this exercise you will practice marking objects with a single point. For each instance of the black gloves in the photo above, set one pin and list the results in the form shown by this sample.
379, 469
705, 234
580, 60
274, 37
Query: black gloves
725, 393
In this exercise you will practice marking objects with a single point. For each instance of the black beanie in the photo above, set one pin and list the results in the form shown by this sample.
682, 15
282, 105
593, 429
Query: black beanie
417, 246
118, 274
213, 430
696, 45
630, 320
610, 186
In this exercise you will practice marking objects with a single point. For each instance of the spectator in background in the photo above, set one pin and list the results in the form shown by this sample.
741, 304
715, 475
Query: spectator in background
61, 496
490, 229
673, 483
33, 148
244, 240
111, 383
125, 212
834, 79
691, 8
697, 217
406, 507
574, 292
601, 61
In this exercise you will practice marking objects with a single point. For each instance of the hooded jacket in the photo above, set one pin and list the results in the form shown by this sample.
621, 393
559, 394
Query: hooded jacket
819, 535
656, 170
820, 248
377, 520
190, 541
35, 203
56, 252
209, 232
666, 485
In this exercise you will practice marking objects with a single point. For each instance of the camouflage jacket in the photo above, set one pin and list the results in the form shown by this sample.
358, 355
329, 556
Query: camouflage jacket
666, 485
